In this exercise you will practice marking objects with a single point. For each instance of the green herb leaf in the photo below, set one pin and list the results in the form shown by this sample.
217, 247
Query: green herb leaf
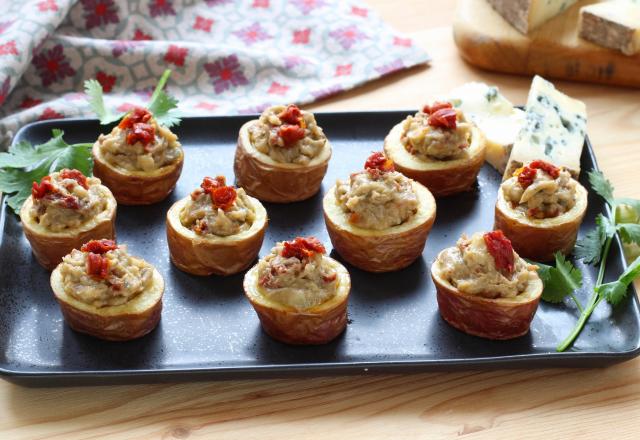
559, 281
616, 291
163, 106
629, 232
589, 247
602, 186
96, 100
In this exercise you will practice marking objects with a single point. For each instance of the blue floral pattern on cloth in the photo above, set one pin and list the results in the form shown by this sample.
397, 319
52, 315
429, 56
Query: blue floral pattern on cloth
227, 56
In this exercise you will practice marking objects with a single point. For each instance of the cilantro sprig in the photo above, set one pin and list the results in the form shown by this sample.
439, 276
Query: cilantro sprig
163, 106
564, 279
24, 164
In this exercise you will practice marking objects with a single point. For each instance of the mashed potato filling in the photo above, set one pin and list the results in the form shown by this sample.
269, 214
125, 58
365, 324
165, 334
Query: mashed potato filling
297, 274
470, 267
103, 274
66, 200
287, 135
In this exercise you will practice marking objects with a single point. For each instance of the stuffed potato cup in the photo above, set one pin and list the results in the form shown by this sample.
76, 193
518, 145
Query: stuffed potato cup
379, 220
106, 293
65, 210
299, 294
283, 156
540, 209
485, 289
140, 160
216, 230
437, 148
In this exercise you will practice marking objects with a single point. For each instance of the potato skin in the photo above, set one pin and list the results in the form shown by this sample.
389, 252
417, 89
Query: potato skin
270, 181
137, 188
383, 252
111, 327
201, 256
442, 178
50, 247
539, 240
485, 317
318, 325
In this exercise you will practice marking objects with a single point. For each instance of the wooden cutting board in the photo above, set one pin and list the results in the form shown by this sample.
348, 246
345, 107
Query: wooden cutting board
554, 50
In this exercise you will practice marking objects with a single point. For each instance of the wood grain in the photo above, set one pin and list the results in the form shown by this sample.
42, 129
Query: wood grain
523, 405
554, 50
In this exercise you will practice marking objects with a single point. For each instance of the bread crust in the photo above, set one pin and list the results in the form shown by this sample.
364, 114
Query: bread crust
271, 181
442, 177
137, 187
49, 247
500, 318
539, 240
200, 255
317, 325
380, 251
128, 321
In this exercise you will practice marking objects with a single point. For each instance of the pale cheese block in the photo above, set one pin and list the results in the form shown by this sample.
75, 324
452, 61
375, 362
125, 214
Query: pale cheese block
526, 15
614, 24
493, 114
554, 130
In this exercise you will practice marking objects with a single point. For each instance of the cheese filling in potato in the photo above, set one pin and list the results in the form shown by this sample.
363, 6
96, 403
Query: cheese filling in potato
540, 190
139, 143
438, 132
66, 200
104, 274
471, 268
297, 274
377, 200
287, 135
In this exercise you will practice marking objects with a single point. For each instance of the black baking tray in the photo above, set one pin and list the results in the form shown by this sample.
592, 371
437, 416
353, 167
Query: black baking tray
208, 329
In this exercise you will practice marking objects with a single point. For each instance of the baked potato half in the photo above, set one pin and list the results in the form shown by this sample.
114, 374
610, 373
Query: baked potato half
380, 250
441, 177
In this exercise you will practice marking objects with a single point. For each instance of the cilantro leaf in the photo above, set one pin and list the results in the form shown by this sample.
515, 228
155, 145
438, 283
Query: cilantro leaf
163, 106
616, 291
589, 247
602, 186
559, 281
629, 232
93, 89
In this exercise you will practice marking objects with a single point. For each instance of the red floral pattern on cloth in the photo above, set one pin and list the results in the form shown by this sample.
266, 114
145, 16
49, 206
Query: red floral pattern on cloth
225, 62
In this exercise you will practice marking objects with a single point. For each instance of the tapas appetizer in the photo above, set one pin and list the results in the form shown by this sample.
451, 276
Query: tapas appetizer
484, 288
218, 229
282, 156
65, 210
379, 220
299, 294
105, 292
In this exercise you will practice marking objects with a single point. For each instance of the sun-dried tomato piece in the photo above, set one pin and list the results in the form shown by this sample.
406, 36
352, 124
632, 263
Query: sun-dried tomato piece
428, 109
45, 187
99, 246
137, 115
548, 168
141, 132
526, 176
97, 266
499, 246
302, 248
290, 134
75, 175
330, 278
290, 115
443, 118
224, 197
69, 202
209, 183
378, 161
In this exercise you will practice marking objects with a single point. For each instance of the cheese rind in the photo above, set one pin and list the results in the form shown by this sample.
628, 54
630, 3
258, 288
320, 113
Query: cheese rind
526, 15
493, 114
615, 25
554, 130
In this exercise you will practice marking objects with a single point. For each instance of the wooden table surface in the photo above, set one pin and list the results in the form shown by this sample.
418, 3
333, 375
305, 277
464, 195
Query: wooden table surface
555, 404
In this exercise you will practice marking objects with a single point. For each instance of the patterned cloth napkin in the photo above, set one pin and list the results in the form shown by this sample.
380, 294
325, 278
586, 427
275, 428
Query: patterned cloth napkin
227, 56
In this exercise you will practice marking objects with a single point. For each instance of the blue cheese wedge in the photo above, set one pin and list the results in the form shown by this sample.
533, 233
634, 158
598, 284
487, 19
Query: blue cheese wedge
526, 15
493, 114
614, 24
554, 130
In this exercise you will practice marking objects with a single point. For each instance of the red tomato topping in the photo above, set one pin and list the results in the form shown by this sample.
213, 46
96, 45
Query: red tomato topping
70, 202
137, 115
209, 184
45, 187
428, 109
224, 197
75, 175
444, 118
290, 134
526, 176
302, 248
290, 115
97, 266
99, 246
499, 246
551, 170
378, 161
141, 132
